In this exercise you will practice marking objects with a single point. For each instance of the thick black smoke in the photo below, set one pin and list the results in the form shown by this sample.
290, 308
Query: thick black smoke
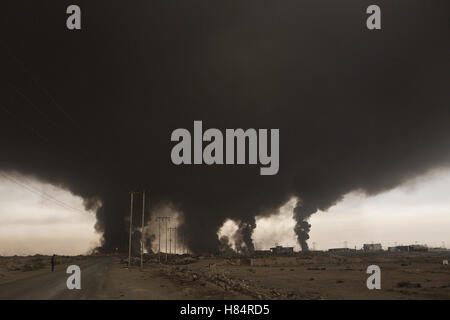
302, 213
93, 110
243, 236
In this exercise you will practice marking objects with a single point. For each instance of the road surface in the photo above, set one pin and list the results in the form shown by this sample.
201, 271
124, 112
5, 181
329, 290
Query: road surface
52, 285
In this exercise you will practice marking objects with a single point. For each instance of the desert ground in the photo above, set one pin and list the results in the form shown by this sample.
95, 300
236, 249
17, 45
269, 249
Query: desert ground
309, 275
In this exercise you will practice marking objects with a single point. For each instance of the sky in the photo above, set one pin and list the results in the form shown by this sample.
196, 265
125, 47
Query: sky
418, 211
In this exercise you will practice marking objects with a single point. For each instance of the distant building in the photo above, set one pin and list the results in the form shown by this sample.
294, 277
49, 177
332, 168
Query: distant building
410, 248
437, 249
373, 247
399, 249
341, 250
282, 250
418, 248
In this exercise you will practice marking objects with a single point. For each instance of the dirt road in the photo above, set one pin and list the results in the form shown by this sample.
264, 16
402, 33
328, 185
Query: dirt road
52, 285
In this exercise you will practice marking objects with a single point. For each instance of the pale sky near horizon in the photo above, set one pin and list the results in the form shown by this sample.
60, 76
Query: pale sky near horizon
418, 211
30, 224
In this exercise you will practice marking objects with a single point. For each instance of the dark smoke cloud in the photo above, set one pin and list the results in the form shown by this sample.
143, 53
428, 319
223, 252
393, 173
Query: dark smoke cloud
302, 212
356, 109
243, 237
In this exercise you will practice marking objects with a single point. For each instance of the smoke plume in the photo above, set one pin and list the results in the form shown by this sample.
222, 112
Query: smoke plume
92, 110
302, 226
243, 237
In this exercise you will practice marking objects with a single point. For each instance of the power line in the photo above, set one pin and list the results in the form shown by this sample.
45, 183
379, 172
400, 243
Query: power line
22, 123
35, 107
38, 85
40, 193
73, 122
26, 124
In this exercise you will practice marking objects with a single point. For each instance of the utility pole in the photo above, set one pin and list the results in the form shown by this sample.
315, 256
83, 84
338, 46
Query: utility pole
163, 219
159, 241
142, 230
131, 223
132, 193
170, 240
182, 241
175, 240
167, 220
174, 230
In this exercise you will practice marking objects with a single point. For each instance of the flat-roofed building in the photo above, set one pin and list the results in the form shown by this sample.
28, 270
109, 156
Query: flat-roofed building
372, 247
282, 250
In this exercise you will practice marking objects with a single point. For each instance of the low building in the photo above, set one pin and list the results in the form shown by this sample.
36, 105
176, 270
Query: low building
410, 248
282, 250
439, 249
341, 250
399, 249
372, 247
418, 248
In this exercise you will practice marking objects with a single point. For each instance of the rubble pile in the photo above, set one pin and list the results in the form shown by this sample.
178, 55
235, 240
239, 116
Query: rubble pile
182, 261
212, 274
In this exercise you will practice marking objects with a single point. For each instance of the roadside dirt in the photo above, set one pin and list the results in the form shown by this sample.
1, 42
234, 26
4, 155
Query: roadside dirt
304, 276
155, 282
18, 267
323, 277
